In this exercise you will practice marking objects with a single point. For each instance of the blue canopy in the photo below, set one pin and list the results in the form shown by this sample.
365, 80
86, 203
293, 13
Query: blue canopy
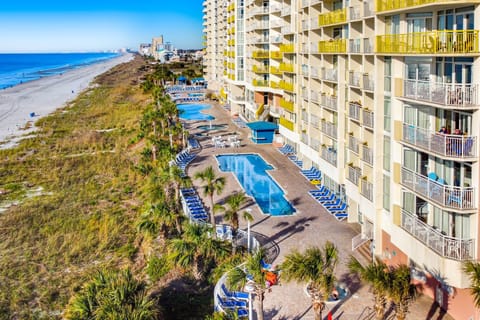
262, 125
181, 78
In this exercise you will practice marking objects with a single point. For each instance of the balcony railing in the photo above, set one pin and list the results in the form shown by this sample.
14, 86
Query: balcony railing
354, 78
329, 154
260, 83
367, 45
260, 69
387, 5
275, 70
313, 96
367, 154
354, 13
333, 46
287, 48
368, 83
330, 102
366, 189
287, 105
446, 94
287, 86
353, 144
314, 72
367, 118
445, 246
444, 195
329, 74
334, 17
286, 123
329, 128
286, 67
354, 111
262, 54
445, 145
274, 85
354, 46
368, 9
354, 174
276, 55
430, 42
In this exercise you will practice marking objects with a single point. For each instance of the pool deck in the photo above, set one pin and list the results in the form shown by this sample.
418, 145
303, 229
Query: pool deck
311, 225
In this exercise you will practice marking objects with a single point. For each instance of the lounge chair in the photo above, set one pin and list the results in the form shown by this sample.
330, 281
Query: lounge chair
231, 303
341, 208
341, 216
237, 295
337, 202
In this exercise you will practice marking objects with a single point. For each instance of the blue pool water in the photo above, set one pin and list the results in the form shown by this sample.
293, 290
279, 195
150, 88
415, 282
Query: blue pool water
251, 172
194, 112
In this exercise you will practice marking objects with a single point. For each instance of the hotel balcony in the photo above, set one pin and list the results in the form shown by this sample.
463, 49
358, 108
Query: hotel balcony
368, 45
455, 147
353, 144
457, 42
260, 83
260, 69
286, 11
274, 85
329, 74
354, 46
445, 246
287, 29
275, 70
366, 189
287, 48
354, 174
314, 72
354, 78
368, 83
329, 102
329, 154
276, 55
367, 154
329, 128
333, 46
287, 67
335, 17
354, 110
287, 105
354, 13
389, 5
367, 118
448, 197
260, 54
448, 95
287, 86
286, 123
314, 96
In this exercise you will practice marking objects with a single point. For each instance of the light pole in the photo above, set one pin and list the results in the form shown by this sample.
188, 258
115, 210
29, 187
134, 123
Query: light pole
248, 229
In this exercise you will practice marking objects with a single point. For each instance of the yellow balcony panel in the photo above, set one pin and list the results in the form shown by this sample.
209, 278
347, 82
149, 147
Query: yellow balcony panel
260, 83
431, 42
390, 5
275, 70
276, 55
287, 48
287, 86
286, 123
287, 105
260, 69
334, 17
332, 46
286, 67
274, 85
260, 54
259, 111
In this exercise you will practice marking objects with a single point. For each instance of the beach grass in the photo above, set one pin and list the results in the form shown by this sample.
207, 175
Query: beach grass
82, 217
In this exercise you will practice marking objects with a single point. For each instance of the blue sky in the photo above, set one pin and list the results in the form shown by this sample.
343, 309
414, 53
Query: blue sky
92, 25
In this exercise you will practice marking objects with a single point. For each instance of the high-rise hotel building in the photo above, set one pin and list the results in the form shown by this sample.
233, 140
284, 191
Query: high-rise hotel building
383, 97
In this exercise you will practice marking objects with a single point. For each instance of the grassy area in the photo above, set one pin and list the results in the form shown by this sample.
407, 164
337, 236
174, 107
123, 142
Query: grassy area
83, 217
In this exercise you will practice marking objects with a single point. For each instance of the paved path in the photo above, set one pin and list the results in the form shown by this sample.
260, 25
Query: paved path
312, 225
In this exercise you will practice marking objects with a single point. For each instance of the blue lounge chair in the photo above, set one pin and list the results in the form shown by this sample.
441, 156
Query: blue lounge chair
341, 208
323, 200
337, 202
341, 216
230, 303
237, 295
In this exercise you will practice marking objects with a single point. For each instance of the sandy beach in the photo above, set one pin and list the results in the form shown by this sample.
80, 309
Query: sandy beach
44, 96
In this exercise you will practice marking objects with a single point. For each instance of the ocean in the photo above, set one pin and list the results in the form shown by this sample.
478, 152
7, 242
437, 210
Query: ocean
16, 68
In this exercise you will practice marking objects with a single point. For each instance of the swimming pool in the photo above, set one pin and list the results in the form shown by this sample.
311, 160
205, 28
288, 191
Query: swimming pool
251, 172
194, 111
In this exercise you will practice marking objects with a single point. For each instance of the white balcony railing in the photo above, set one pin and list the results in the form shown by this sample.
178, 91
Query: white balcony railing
314, 72
447, 196
329, 154
354, 78
366, 189
329, 74
445, 246
368, 83
447, 94
354, 174
367, 118
314, 96
367, 45
354, 45
330, 102
354, 13
353, 144
329, 128
354, 110
446, 145
367, 154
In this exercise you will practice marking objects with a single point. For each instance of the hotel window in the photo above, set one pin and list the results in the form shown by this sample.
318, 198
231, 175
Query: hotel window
386, 153
387, 114
392, 24
388, 75
386, 193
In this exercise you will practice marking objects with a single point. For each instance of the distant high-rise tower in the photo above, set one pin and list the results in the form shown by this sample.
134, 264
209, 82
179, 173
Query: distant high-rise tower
157, 47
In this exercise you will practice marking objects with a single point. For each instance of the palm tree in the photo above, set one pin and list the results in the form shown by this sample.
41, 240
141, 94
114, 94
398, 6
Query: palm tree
234, 202
159, 217
316, 267
376, 274
472, 269
197, 248
112, 295
402, 292
254, 271
212, 184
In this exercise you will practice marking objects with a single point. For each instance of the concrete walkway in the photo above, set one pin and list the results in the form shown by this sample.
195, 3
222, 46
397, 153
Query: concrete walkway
311, 225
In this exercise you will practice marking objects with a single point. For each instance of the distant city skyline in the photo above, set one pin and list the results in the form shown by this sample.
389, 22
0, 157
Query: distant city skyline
88, 25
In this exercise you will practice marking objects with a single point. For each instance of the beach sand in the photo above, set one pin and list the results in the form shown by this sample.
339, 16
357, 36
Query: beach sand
43, 96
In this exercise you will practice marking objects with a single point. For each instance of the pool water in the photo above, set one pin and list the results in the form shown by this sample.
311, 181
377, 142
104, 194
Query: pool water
194, 112
208, 127
251, 172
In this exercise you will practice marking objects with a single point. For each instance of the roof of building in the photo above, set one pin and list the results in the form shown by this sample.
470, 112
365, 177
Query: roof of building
262, 125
